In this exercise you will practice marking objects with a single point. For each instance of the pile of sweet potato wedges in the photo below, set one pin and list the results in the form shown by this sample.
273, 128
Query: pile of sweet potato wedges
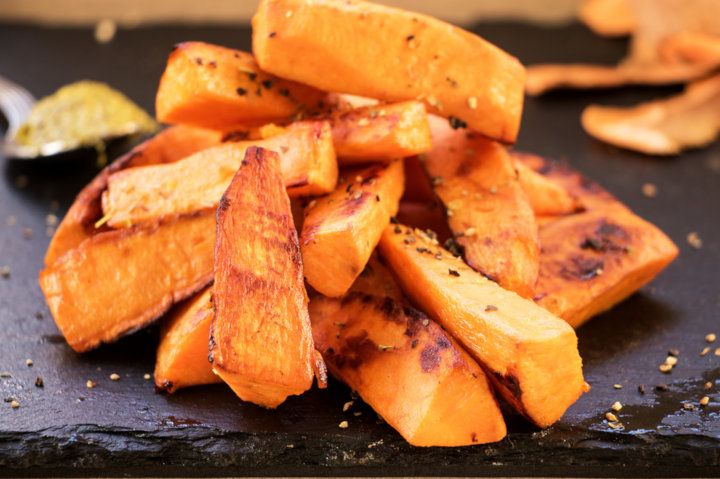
344, 197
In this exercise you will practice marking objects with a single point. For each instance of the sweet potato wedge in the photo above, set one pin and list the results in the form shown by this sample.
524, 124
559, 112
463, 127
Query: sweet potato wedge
141, 194
546, 197
609, 18
487, 209
425, 216
380, 132
118, 281
182, 356
261, 344
530, 354
408, 369
341, 229
220, 88
334, 45
661, 127
377, 280
593, 260
692, 47
168, 146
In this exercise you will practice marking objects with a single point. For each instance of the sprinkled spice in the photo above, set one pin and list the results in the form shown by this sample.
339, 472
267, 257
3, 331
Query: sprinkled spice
363, 122
617, 406
425, 322
14, 404
146, 376
456, 123
343, 425
397, 230
5, 271
694, 240
711, 337
616, 425
704, 351
241, 91
383, 347
28, 362
5, 374
689, 406
252, 76
51, 220
452, 272
708, 385
649, 190
414, 343
611, 417
617, 386
39, 383
267, 84
357, 413
394, 220
284, 92
469, 232
272, 34
674, 352
347, 406
717, 352
671, 360
661, 387
490, 308
704, 401
472, 102
115, 377
90, 384
665, 368
409, 240
641, 389
436, 180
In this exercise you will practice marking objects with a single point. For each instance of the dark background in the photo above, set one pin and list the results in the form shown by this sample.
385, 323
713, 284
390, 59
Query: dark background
123, 427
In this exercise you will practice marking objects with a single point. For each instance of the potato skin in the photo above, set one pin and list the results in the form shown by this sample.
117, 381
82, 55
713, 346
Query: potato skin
261, 344
408, 369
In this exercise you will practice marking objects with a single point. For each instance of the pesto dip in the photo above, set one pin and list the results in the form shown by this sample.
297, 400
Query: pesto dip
81, 114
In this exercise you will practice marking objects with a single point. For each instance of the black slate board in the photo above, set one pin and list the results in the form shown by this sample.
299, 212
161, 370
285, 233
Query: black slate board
124, 428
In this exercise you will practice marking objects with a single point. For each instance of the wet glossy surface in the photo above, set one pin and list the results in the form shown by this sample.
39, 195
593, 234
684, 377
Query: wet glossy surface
123, 427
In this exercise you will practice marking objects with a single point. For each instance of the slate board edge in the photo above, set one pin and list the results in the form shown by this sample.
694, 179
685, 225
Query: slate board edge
191, 451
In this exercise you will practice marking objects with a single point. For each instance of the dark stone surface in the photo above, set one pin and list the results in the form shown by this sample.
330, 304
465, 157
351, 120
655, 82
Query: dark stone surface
124, 428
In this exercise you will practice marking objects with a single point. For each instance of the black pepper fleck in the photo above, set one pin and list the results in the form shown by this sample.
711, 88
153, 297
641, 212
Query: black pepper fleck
456, 123
241, 91
453, 272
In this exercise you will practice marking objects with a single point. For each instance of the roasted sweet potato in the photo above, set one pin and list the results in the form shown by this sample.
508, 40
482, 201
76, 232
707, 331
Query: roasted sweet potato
341, 229
118, 281
380, 132
182, 356
141, 194
661, 127
408, 369
334, 45
220, 88
418, 187
592, 261
425, 216
377, 280
261, 344
487, 209
546, 197
167, 146
692, 47
530, 354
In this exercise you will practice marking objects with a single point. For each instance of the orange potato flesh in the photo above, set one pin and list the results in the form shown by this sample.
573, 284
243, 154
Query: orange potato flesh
141, 194
335, 45
119, 281
693, 47
408, 369
591, 261
261, 344
377, 280
487, 209
182, 356
168, 146
530, 355
661, 127
546, 197
380, 132
341, 229
210, 86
